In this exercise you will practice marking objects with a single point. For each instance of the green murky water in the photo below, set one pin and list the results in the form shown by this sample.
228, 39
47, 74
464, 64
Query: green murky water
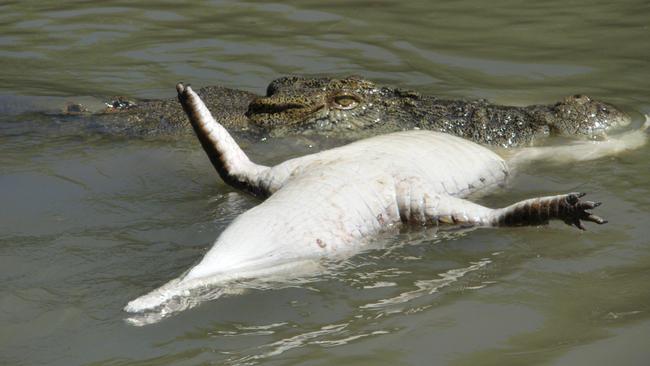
91, 221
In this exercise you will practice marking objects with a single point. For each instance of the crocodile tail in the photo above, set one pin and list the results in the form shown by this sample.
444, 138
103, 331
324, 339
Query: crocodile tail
230, 161
173, 297
583, 150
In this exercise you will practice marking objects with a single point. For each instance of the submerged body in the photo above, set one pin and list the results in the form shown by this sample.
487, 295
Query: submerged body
355, 107
329, 204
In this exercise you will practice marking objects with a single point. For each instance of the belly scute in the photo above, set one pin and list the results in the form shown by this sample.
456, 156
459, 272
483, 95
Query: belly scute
329, 205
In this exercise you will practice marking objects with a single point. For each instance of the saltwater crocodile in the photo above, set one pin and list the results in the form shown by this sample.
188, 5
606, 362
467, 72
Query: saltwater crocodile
355, 107
327, 205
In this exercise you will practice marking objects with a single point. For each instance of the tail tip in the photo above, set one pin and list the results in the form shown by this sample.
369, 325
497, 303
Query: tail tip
131, 308
142, 304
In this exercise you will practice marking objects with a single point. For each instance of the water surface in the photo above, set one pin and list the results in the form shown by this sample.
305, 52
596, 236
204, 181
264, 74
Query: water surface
89, 221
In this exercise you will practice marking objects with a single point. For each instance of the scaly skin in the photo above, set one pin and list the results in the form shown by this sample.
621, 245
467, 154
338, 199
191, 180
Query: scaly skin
164, 116
355, 107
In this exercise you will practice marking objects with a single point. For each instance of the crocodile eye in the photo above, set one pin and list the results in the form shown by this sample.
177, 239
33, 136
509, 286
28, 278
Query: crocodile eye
345, 101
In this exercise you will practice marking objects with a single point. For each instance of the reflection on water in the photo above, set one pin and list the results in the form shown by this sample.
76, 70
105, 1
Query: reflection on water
89, 221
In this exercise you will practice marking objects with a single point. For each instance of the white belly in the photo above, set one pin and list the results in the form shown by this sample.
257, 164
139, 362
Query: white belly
327, 204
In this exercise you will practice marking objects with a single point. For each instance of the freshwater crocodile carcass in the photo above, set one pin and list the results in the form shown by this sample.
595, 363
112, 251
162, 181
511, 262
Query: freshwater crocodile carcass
328, 204
354, 107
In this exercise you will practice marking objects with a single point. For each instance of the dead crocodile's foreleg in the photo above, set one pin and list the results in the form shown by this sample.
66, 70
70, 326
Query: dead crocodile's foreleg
230, 161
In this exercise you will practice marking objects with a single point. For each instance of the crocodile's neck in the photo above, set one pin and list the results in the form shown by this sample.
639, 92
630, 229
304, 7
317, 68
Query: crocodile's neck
476, 120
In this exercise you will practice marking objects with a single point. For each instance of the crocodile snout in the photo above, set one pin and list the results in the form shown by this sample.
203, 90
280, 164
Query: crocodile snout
582, 115
270, 111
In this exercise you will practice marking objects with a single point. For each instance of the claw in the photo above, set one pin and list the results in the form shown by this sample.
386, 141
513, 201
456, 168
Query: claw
587, 205
597, 219
180, 87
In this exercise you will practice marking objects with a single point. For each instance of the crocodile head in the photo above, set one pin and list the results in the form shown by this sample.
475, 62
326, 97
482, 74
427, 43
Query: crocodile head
580, 115
319, 103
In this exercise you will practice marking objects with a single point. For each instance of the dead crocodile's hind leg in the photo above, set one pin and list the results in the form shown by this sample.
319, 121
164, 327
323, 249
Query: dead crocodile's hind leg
232, 164
536, 211
444, 209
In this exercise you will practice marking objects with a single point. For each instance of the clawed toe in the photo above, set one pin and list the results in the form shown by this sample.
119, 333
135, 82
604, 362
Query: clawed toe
577, 211
593, 218
588, 205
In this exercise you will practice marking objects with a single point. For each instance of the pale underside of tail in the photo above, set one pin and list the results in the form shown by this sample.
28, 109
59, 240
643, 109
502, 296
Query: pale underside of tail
181, 293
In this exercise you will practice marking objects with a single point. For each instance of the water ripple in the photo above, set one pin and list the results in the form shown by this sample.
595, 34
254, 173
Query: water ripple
428, 287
